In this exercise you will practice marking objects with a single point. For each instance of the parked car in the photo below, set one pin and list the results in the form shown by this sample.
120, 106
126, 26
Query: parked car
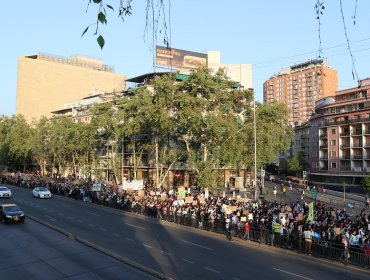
11, 213
5, 192
41, 192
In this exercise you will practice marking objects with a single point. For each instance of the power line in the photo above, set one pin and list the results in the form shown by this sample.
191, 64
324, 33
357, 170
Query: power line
310, 52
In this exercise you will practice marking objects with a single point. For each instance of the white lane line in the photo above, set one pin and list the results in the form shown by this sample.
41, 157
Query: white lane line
146, 245
69, 217
200, 246
235, 278
50, 218
287, 272
186, 260
211, 269
129, 239
102, 229
116, 234
94, 214
91, 225
135, 226
164, 252
80, 221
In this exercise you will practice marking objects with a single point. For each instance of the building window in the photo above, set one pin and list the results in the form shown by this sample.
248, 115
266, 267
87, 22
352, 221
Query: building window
333, 131
333, 142
333, 154
333, 165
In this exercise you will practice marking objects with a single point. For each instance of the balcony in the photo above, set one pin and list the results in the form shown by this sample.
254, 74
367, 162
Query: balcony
325, 147
357, 157
344, 134
345, 146
324, 157
345, 157
357, 169
324, 135
357, 145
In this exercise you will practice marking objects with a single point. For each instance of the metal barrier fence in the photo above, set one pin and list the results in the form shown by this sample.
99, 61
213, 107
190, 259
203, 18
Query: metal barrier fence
327, 250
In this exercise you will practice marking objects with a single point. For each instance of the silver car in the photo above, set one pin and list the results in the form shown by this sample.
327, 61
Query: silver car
5, 192
41, 192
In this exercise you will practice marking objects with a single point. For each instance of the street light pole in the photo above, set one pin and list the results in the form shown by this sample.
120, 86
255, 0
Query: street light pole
107, 160
255, 149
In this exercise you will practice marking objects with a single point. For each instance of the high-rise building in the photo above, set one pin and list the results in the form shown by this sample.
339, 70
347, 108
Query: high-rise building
47, 82
299, 86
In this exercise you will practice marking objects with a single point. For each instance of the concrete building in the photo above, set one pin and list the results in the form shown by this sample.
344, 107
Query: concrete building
241, 73
299, 86
340, 137
47, 82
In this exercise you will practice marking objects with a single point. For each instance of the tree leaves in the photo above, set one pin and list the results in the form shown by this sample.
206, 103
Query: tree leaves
100, 41
102, 18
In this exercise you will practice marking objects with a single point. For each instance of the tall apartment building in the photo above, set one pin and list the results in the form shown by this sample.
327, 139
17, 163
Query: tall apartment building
339, 146
299, 86
47, 82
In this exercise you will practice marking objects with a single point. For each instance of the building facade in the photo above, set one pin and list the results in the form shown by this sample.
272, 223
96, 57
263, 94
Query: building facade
340, 133
47, 82
299, 86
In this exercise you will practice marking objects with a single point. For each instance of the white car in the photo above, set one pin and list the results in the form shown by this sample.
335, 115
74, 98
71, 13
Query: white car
41, 192
5, 192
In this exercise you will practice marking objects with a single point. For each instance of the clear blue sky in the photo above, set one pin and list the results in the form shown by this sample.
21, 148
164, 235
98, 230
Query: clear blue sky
269, 34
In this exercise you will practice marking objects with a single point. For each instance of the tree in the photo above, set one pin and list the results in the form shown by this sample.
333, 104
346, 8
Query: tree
366, 184
124, 9
294, 164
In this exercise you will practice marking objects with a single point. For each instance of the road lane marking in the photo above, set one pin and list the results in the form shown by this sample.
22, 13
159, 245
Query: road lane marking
135, 226
188, 261
91, 225
164, 252
69, 217
129, 239
200, 246
116, 234
291, 273
50, 218
103, 229
211, 269
94, 214
80, 221
146, 245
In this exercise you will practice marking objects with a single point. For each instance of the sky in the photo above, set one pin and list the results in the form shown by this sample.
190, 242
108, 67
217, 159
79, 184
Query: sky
268, 34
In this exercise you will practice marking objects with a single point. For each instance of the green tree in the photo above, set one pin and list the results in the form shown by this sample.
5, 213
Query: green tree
294, 164
366, 184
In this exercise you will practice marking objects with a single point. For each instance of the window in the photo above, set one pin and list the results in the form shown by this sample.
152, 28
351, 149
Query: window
333, 142
333, 131
333, 153
333, 165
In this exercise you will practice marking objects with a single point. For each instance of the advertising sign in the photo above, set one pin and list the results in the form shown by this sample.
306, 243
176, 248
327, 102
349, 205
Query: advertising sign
170, 57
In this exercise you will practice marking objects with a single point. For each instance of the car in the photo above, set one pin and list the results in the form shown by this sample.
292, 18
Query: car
5, 192
41, 192
11, 213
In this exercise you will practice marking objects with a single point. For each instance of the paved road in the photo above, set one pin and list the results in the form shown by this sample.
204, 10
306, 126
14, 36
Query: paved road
175, 251
32, 251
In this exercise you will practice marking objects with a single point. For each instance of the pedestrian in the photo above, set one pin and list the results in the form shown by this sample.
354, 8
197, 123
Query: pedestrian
345, 255
246, 230
307, 235
228, 229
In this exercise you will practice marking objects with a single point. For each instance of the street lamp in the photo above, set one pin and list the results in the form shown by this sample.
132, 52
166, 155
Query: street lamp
255, 149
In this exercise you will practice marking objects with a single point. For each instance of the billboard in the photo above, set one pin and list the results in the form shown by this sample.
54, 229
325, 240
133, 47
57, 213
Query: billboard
169, 57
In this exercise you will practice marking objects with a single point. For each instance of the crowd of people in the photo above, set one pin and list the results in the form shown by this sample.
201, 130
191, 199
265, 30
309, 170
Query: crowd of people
271, 222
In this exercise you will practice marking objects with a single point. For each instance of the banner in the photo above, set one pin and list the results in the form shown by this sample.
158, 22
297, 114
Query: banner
182, 192
310, 212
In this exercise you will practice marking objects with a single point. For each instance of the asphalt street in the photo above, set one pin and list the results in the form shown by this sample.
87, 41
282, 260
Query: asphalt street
174, 251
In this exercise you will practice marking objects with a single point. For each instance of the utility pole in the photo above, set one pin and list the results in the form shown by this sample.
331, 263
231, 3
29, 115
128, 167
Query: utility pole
255, 150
